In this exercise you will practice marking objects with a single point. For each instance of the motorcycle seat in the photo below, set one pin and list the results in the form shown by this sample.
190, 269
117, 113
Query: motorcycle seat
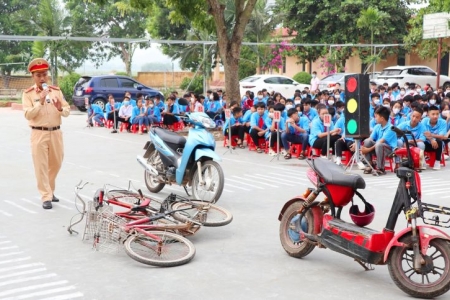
333, 174
170, 137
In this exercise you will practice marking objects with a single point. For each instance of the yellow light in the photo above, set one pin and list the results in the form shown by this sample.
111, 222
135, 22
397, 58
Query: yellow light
352, 106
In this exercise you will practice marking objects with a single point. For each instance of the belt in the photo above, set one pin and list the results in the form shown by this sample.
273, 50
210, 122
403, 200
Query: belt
46, 128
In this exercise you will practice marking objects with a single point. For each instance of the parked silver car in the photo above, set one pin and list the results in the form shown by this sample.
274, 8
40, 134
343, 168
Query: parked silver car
412, 74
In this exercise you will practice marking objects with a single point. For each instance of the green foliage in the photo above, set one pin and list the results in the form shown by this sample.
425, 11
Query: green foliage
122, 73
67, 83
302, 77
247, 66
195, 86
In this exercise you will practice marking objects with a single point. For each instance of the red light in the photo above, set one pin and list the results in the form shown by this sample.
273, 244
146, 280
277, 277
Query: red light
351, 85
408, 185
88, 90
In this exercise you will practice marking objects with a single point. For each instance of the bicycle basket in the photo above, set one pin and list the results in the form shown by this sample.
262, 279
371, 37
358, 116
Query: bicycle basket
92, 220
109, 233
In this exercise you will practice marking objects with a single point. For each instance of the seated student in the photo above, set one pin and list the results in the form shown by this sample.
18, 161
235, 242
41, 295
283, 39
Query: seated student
153, 112
330, 101
381, 142
289, 104
344, 143
318, 135
259, 98
297, 128
433, 99
246, 119
258, 127
417, 129
170, 111
407, 100
396, 117
183, 109
387, 103
132, 101
435, 133
374, 104
158, 103
125, 112
275, 128
139, 116
308, 110
112, 111
237, 126
244, 98
248, 103
95, 113
214, 109
332, 112
340, 107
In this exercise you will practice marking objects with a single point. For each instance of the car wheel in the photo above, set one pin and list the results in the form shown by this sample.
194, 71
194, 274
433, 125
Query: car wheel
100, 102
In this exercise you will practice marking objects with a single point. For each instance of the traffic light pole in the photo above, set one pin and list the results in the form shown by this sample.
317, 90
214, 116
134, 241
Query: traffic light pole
358, 158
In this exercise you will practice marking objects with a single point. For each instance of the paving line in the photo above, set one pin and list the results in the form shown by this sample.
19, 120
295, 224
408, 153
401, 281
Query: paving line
10, 254
131, 179
238, 187
20, 207
21, 267
9, 248
114, 175
34, 204
264, 179
271, 178
251, 185
41, 293
31, 287
27, 279
435, 190
64, 297
4, 242
289, 176
252, 180
66, 200
23, 273
14, 260
7, 214
228, 191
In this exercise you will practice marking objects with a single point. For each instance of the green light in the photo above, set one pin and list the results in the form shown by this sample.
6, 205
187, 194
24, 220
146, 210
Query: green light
352, 126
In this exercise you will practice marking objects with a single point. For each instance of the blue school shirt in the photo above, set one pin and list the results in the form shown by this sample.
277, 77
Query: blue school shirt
133, 102
397, 120
303, 123
372, 110
418, 131
406, 110
160, 105
341, 124
389, 136
254, 120
213, 106
95, 109
182, 108
176, 109
233, 121
247, 116
312, 114
155, 112
317, 128
269, 121
440, 128
136, 112
108, 107
372, 124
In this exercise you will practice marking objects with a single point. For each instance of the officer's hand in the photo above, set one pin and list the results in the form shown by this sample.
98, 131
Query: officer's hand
42, 95
57, 103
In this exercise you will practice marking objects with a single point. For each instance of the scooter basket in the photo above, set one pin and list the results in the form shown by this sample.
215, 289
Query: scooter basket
436, 215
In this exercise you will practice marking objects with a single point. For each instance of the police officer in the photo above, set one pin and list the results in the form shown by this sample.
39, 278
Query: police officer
44, 105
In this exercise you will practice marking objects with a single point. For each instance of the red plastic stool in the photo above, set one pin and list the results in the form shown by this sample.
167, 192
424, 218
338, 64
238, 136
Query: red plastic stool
233, 140
123, 126
267, 147
109, 124
389, 160
314, 151
346, 156
178, 126
252, 146
430, 158
295, 150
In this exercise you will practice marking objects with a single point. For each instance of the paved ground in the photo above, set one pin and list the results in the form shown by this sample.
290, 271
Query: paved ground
244, 260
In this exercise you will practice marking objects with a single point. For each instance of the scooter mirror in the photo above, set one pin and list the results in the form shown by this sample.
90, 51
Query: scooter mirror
183, 101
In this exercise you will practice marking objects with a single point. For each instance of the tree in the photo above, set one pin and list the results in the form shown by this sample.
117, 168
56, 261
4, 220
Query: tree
334, 22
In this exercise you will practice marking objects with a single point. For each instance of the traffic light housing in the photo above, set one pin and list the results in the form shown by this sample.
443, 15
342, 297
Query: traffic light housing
357, 106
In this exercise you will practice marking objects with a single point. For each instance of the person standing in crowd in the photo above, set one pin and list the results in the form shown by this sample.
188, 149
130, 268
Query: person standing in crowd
314, 81
43, 109
125, 112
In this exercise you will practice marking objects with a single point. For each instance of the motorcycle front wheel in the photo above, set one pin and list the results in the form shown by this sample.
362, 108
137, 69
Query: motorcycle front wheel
432, 280
152, 183
213, 180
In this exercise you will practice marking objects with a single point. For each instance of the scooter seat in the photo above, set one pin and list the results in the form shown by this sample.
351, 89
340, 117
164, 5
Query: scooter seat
170, 137
333, 174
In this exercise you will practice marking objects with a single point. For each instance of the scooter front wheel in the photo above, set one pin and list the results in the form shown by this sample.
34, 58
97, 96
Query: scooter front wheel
290, 226
432, 280
211, 187
152, 183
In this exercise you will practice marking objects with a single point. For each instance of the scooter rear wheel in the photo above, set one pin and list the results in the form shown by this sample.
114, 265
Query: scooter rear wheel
434, 278
153, 185
289, 231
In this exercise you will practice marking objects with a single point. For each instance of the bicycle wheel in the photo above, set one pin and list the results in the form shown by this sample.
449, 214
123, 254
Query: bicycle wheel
174, 249
215, 215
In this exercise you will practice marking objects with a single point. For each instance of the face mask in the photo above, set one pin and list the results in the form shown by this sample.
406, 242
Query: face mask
151, 105
418, 90
330, 102
432, 102
386, 105
445, 113
424, 115
211, 97
405, 104
376, 101
337, 96
297, 101
260, 97
271, 115
126, 103
402, 93
289, 106
303, 96
396, 111
300, 114
341, 110
87, 106
314, 76
447, 91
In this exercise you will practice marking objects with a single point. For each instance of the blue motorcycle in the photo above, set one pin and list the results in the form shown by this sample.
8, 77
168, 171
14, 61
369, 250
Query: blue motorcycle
171, 158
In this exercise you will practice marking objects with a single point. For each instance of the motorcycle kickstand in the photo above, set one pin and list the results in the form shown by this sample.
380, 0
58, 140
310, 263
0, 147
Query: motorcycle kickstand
366, 266
185, 189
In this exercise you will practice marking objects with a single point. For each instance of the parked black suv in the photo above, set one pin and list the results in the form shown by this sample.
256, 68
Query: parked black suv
97, 88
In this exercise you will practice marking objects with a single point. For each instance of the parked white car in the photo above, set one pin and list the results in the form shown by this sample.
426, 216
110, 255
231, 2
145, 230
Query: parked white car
277, 83
412, 74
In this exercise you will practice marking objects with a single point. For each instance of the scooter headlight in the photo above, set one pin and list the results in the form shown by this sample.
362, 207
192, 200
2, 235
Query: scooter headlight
208, 123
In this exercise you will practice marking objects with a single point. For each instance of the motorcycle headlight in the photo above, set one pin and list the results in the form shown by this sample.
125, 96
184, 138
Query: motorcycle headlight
208, 123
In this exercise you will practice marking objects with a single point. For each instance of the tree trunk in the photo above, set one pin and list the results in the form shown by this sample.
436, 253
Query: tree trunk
231, 67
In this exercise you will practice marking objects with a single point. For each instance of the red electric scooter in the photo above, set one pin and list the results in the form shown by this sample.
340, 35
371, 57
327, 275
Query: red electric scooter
418, 257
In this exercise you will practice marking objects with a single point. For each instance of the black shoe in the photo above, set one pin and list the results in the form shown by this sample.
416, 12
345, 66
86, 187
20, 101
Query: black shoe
47, 205
54, 199
114, 131
102, 125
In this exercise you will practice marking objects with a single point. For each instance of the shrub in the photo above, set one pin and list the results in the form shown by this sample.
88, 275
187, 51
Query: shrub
67, 83
195, 86
121, 73
302, 77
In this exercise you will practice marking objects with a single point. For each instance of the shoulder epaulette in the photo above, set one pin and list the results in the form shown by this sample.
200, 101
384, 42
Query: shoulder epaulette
54, 87
29, 89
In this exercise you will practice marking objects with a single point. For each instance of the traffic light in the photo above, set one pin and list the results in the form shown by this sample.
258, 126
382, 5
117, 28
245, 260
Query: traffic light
357, 106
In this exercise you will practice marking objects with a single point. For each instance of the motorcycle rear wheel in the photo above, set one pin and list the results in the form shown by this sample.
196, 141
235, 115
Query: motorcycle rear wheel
153, 185
213, 172
289, 228
400, 265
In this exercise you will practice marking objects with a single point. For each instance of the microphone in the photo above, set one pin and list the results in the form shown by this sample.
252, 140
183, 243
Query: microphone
45, 87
